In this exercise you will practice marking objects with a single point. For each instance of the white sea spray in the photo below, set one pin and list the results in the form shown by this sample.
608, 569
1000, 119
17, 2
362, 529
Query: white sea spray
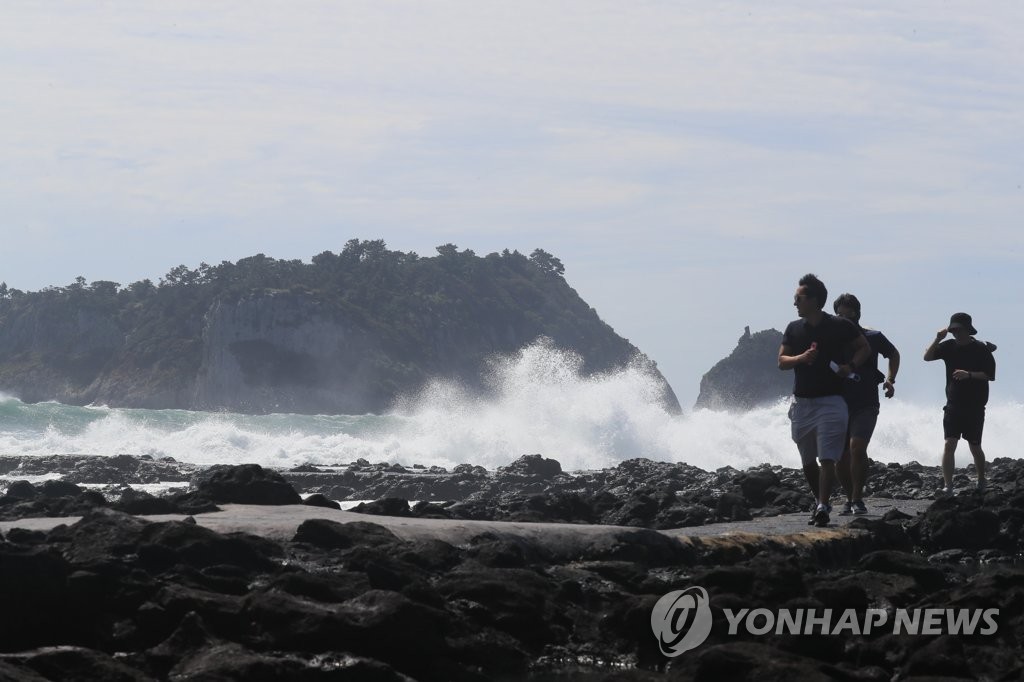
541, 403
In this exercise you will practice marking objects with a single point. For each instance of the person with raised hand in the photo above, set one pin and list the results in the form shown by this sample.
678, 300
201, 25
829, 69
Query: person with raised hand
970, 366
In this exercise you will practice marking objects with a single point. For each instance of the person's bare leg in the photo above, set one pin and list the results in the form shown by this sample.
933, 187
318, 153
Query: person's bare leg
826, 480
813, 477
844, 470
979, 462
858, 466
948, 461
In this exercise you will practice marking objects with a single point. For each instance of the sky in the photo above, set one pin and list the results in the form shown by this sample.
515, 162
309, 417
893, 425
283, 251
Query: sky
687, 161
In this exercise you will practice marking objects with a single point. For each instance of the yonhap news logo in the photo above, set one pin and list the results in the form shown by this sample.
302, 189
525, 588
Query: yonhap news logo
681, 620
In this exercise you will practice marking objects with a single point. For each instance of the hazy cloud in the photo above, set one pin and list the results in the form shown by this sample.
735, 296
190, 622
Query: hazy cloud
650, 145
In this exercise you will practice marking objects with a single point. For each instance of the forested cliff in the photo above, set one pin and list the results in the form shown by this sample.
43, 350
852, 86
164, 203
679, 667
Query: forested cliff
346, 333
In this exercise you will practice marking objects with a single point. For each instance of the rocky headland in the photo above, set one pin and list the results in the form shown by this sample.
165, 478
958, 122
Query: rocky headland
347, 333
111, 595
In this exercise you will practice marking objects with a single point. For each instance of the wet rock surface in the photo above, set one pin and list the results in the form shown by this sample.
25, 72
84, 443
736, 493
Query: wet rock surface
114, 596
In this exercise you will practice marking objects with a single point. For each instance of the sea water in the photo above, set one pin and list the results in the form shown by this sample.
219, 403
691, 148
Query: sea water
540, 403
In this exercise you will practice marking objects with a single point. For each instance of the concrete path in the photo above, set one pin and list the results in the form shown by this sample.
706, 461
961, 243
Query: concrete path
788, 524
280, 523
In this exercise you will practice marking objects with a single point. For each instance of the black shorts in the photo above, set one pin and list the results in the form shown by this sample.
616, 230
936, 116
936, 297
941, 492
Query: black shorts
862, 422
961, 422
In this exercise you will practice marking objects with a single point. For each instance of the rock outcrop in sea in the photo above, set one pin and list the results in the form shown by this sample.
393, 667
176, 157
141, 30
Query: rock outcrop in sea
749, 377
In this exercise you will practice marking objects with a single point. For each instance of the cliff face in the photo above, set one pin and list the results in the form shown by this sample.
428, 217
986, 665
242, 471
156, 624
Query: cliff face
347, 348
749, 377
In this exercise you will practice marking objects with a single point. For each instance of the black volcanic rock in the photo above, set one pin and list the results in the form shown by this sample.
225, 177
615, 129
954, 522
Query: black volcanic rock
320, 500
387, 506
140, 502
533, 466
245, 484
327, 534
21, 490
965, 522
749, 377
117, 597
78, 663
757, 484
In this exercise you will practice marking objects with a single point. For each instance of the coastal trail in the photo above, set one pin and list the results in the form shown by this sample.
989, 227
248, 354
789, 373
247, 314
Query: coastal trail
280, 522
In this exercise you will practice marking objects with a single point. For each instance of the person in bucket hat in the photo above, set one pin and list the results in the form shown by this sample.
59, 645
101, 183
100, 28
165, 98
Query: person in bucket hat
970, 367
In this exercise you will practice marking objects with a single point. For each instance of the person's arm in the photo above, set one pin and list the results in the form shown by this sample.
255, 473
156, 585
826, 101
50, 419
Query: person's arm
986, 373
788, 361
890, 379
971, 375
932, 351
860, 349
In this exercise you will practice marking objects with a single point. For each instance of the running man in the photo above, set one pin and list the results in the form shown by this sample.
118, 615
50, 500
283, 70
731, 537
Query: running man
815, 347
862, 401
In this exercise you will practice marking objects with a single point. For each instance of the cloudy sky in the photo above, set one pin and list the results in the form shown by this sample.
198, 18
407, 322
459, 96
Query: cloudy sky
687, 161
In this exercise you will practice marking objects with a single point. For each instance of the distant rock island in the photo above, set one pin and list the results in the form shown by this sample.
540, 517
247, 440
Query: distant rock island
749, 377
347, 333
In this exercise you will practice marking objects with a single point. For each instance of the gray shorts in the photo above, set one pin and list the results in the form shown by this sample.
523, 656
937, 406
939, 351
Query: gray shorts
818, 427
863, 421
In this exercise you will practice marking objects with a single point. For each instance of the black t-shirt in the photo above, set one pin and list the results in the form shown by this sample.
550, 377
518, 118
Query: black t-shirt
973, 357
833, 334
864, 393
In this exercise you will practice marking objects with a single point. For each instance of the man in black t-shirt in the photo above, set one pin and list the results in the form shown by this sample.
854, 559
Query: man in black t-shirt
815, 347
969, 368
862, 400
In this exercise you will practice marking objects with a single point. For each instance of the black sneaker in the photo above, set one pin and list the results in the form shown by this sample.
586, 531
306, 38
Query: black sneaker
814, 512
821, 516
847, 509
859, 508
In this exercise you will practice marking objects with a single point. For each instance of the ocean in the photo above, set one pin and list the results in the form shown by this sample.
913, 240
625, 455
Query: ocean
541, 404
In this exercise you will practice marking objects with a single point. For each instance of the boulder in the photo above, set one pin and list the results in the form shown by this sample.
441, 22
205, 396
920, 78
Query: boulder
244, 484
533, 466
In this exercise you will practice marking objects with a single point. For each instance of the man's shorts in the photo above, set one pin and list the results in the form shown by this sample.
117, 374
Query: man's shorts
862, 422
966, 423
818, 427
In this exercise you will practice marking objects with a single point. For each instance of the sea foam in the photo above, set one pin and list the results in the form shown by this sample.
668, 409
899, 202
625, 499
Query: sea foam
540, 403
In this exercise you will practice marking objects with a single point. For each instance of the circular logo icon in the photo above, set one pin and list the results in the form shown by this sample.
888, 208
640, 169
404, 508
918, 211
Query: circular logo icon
681, 620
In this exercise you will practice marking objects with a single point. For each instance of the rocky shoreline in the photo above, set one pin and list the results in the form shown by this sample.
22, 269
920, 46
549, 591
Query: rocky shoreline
637, 492
112, 596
